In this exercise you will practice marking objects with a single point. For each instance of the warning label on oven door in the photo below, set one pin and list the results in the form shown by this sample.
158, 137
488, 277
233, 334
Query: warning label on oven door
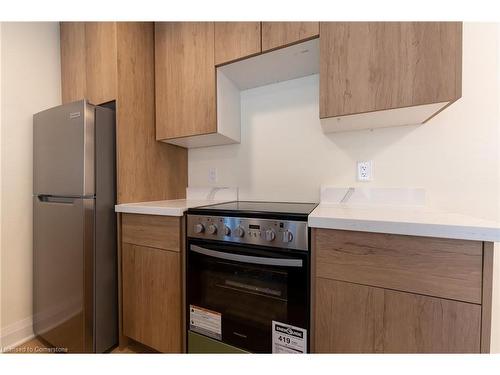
289, 339
206, 322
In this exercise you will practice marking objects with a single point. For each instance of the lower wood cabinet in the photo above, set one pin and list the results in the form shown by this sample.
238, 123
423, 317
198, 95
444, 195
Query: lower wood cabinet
354, 318
384, 293
151, 281
151, 284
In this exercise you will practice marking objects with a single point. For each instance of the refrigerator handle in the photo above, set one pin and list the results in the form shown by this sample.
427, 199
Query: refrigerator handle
52, 199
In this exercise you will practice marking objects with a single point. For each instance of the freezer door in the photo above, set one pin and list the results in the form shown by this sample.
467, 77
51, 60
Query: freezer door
63, 150
63, 246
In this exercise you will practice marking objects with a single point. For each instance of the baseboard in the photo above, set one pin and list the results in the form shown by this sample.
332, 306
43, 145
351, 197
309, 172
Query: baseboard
16, 334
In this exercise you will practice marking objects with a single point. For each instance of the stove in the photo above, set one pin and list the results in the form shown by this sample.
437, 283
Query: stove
248, 277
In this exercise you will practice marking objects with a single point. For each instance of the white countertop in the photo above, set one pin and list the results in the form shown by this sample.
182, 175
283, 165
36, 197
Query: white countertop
174, 207
406, 220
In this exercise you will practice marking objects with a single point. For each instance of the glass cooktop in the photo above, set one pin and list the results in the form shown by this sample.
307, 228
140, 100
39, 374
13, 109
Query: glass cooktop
252, 208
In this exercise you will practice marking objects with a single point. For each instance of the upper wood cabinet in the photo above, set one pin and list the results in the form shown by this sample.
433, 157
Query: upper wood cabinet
236, 40
73, 64
281, 34
100, 48
88, 61
105, 61
189, 90
375, 74
147, 170
185, 79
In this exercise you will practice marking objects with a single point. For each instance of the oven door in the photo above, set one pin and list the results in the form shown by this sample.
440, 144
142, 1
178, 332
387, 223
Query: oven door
235, 292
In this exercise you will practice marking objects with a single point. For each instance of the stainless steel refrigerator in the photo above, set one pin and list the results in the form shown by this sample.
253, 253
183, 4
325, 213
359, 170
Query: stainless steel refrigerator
74, 228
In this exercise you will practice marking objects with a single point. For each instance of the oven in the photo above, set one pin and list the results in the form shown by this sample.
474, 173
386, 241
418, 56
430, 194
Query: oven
248, 296
248, 277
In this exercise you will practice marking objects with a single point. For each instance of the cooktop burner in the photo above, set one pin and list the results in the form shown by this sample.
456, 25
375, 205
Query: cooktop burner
282, 210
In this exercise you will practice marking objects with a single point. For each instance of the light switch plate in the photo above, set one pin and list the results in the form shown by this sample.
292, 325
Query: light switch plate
212, 175
365, 170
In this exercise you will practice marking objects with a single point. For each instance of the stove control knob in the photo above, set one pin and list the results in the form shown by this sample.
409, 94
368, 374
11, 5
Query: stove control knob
212, 229
227, 230
270, 235
287, 236
239, 231
199, 228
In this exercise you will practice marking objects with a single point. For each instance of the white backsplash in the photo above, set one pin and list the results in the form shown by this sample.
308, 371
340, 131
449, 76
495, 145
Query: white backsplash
221, 193
372, 196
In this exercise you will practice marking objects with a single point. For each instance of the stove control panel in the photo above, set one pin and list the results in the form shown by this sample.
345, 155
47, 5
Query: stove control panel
265, 232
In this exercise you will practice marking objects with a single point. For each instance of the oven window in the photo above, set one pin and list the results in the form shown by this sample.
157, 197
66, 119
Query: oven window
255, 295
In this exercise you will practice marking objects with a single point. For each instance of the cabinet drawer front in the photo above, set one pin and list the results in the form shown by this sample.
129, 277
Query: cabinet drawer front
161, 232
431, 266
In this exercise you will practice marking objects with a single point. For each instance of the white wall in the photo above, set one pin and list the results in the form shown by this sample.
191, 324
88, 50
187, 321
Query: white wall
284, 155
30, 78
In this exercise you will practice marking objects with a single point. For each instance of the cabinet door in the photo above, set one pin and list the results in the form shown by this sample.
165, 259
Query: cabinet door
73, 76
373, 66
421, 324
281, 34
100, 40
185, 79
348, 317
236, 40
152, 297
146, 170
352, 318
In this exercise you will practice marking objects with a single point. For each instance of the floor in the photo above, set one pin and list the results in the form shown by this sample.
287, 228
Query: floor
36, 346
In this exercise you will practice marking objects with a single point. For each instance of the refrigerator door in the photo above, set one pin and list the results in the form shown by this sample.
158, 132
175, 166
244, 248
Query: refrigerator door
63, 150
63, 247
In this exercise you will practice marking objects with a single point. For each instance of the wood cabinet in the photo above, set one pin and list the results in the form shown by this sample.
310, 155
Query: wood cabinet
100, 50
353, 318
281, 34
88, 61
105, 61
147, 170
185, 79
236, 40
432, 266
345, 320
152, 297
152, 281
195, 105
375, 74
73, 64
381, 293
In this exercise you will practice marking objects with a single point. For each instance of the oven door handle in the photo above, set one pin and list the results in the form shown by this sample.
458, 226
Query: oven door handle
248, 258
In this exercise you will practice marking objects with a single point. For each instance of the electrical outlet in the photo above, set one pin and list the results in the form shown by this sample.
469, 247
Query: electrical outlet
365, 170
212, 175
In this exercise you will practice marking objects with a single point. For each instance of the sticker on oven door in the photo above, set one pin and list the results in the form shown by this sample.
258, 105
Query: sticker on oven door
206, 322
289, 339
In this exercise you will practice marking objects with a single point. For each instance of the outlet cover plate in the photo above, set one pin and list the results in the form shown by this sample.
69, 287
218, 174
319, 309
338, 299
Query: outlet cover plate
365, 170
